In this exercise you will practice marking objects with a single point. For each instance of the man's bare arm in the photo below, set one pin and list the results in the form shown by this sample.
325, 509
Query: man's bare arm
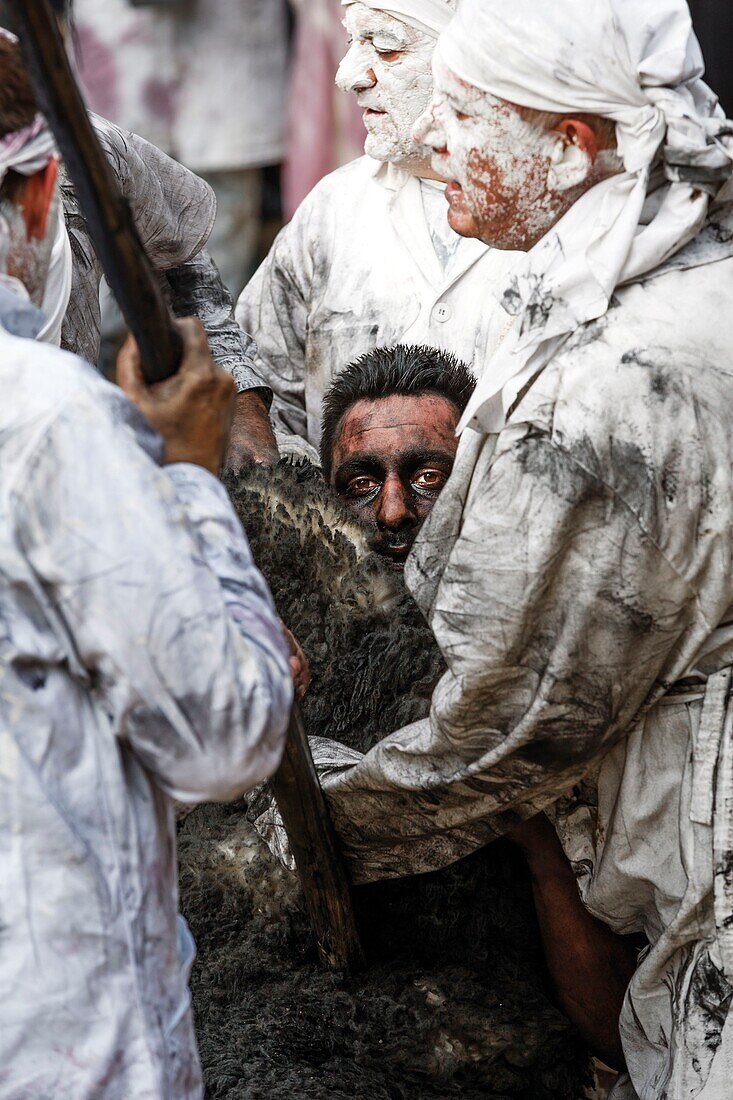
590, 966
252, 438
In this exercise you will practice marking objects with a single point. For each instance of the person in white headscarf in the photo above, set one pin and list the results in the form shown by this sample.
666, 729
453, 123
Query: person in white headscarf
576, 569
368, 258
141, 661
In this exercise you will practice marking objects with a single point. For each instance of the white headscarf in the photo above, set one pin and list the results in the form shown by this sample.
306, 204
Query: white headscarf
429, 16
639, 64
27, 151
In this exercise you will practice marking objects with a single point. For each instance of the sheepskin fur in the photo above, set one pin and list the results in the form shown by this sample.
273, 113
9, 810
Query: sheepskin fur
453, 1002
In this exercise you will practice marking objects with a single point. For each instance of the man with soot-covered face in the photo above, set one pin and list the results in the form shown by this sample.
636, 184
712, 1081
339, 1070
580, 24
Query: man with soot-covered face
389, 439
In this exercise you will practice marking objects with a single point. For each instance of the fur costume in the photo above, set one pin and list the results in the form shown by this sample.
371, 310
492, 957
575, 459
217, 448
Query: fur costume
453, 1001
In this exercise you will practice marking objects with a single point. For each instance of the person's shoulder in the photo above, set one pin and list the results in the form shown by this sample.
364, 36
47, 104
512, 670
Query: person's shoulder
649, 386
43, 382
343, 186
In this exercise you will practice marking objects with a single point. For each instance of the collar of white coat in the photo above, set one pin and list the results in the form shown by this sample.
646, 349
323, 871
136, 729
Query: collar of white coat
429, 16
410, 223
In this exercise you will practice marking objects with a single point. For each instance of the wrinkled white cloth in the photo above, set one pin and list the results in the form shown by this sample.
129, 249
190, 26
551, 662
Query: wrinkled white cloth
640, 65
59, 277
141, 660
429, 16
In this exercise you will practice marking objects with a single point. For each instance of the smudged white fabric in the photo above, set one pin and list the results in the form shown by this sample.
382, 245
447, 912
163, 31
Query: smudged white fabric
356, 268
429, 16
57, 291
640, 65
573, 570
141, 660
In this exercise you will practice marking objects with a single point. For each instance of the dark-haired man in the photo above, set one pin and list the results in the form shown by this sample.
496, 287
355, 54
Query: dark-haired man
388, 438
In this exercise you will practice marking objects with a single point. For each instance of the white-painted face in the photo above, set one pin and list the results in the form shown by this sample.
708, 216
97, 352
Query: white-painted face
511, 177
389, 68
497, 162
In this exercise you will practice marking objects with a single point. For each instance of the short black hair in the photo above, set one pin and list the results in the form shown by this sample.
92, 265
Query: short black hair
408, 371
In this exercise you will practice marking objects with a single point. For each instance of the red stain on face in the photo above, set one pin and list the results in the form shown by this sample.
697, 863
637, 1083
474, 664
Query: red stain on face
391, 459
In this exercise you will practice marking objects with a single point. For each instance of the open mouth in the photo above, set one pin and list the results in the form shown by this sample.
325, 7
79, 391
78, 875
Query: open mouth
371, 112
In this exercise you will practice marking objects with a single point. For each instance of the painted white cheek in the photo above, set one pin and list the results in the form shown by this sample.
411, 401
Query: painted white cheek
407, 88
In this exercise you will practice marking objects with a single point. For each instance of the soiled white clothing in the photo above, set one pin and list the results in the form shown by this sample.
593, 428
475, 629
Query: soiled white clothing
445, 240
141, 660
639, 65
355, 269
574, 570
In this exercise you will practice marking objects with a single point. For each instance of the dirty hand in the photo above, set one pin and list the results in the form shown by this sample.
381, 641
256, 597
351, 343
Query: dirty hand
193, 410
299, 667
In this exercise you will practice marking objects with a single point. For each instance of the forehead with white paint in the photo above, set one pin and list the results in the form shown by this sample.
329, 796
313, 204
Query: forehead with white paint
389, 68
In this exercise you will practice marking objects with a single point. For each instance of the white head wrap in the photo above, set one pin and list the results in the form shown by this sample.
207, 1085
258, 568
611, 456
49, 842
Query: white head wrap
429, 16
639, 64
27, 151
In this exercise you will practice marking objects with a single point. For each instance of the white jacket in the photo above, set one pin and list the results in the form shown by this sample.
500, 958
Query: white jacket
141, 660
355, 269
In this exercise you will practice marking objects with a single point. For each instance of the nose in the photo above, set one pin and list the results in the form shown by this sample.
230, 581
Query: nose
394, 509
428, 130
354, 73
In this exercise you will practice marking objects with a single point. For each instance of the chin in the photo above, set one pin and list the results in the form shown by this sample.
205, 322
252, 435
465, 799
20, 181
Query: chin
463, 222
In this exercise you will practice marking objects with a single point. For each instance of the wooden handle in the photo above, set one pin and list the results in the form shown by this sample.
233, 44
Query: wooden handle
317, 858
113, 232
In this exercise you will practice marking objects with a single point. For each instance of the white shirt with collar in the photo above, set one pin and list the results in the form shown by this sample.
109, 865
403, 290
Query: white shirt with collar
357, 268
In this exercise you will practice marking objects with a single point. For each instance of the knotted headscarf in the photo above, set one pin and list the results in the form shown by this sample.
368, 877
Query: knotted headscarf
638, 64
429, 16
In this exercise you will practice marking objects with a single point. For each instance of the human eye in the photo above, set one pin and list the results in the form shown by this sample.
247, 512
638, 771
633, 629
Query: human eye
430, 479
389, 55
361, 485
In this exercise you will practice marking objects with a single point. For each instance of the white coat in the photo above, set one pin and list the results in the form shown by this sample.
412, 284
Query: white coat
356, 268
141, 660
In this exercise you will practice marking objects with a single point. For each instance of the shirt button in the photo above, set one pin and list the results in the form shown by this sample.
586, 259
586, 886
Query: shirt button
442, 313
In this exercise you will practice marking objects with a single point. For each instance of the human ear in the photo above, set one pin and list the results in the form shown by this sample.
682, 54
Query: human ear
573, 156
37, 198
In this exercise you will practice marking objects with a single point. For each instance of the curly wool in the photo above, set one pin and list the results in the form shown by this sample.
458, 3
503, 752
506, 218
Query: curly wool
453, 1002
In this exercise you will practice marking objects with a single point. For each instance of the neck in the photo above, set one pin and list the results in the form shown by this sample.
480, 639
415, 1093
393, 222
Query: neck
421, 168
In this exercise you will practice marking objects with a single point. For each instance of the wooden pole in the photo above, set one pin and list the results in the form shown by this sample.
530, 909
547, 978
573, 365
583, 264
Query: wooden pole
109, 219
315, 850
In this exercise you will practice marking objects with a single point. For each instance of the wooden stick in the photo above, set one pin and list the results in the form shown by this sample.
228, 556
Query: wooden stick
111, 226
317, 858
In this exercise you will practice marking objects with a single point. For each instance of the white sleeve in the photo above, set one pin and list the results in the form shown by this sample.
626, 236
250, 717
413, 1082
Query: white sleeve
153, 582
